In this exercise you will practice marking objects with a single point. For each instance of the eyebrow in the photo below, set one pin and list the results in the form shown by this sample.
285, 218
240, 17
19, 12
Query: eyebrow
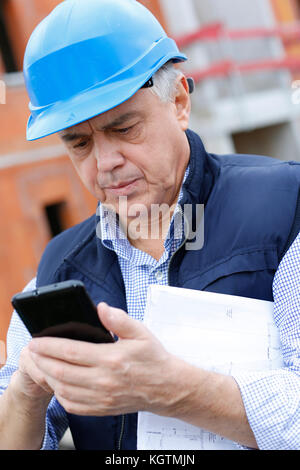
69, 137
120, 120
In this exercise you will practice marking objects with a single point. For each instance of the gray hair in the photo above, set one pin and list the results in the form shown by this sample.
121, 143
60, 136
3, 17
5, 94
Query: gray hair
164, 82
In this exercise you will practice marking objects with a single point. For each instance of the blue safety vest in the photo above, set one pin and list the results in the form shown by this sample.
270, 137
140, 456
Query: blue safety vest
250, 211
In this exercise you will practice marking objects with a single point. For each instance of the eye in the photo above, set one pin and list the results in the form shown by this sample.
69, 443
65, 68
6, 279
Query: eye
130, 133
81, 145
81, 148
124, 130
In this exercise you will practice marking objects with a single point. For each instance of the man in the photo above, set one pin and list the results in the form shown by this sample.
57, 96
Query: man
108, 88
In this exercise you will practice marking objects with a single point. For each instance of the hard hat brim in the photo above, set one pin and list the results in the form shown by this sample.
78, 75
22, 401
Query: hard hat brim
90, 103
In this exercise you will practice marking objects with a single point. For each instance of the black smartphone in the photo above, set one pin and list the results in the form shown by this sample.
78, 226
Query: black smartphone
63, 310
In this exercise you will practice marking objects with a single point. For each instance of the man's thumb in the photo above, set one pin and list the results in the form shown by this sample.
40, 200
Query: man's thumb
118, 322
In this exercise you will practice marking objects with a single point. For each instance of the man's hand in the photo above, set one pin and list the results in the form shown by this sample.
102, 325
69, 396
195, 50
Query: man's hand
29, 380
23, 407
134, 373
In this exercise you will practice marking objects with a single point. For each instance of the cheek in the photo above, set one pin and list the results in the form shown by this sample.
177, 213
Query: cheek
159, 165
83, 169
87, 171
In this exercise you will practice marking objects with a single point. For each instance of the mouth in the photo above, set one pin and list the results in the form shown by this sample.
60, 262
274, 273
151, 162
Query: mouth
123, 188
121, 185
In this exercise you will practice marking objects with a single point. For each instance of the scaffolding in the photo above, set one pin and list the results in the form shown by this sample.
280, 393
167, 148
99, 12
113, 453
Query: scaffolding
245, 94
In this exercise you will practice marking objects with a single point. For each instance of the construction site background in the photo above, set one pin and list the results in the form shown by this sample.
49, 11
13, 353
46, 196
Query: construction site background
245, 59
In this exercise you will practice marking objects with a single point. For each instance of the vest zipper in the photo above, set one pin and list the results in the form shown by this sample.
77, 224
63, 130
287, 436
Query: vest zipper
173, 257
181, 245
121, 432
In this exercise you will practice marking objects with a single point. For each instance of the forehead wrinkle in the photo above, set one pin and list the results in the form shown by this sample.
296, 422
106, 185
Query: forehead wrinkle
118, 121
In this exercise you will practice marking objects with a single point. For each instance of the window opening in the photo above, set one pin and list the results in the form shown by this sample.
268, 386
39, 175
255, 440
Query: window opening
54, 214
5, 44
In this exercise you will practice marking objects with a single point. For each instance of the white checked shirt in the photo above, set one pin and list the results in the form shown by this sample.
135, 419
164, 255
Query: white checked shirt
271, 398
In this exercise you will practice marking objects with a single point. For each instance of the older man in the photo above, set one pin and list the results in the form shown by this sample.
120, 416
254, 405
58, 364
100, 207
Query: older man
109, 88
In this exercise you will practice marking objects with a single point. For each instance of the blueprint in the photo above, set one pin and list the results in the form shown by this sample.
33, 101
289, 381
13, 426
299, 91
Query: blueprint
217, 332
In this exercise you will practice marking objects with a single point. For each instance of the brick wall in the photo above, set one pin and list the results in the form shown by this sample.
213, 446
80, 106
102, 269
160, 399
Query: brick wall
25, 193
22, 16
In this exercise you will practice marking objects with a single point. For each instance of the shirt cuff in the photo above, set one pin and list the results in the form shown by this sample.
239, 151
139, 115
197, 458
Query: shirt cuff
271, 400
48, 443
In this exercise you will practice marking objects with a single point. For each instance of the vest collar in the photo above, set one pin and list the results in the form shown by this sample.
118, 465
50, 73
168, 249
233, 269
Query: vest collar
203, 170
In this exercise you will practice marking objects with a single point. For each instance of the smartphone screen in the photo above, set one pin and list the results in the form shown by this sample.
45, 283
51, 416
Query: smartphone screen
63, 310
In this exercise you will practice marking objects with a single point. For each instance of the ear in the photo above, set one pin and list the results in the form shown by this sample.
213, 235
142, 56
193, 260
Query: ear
182, 102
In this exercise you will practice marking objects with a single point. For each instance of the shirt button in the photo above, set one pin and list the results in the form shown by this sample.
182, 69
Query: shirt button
159, 276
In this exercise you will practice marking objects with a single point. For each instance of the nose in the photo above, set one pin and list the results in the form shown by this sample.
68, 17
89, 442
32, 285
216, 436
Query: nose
107, 154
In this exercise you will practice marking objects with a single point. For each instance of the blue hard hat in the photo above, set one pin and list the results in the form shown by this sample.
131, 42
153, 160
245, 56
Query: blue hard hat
89, 56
